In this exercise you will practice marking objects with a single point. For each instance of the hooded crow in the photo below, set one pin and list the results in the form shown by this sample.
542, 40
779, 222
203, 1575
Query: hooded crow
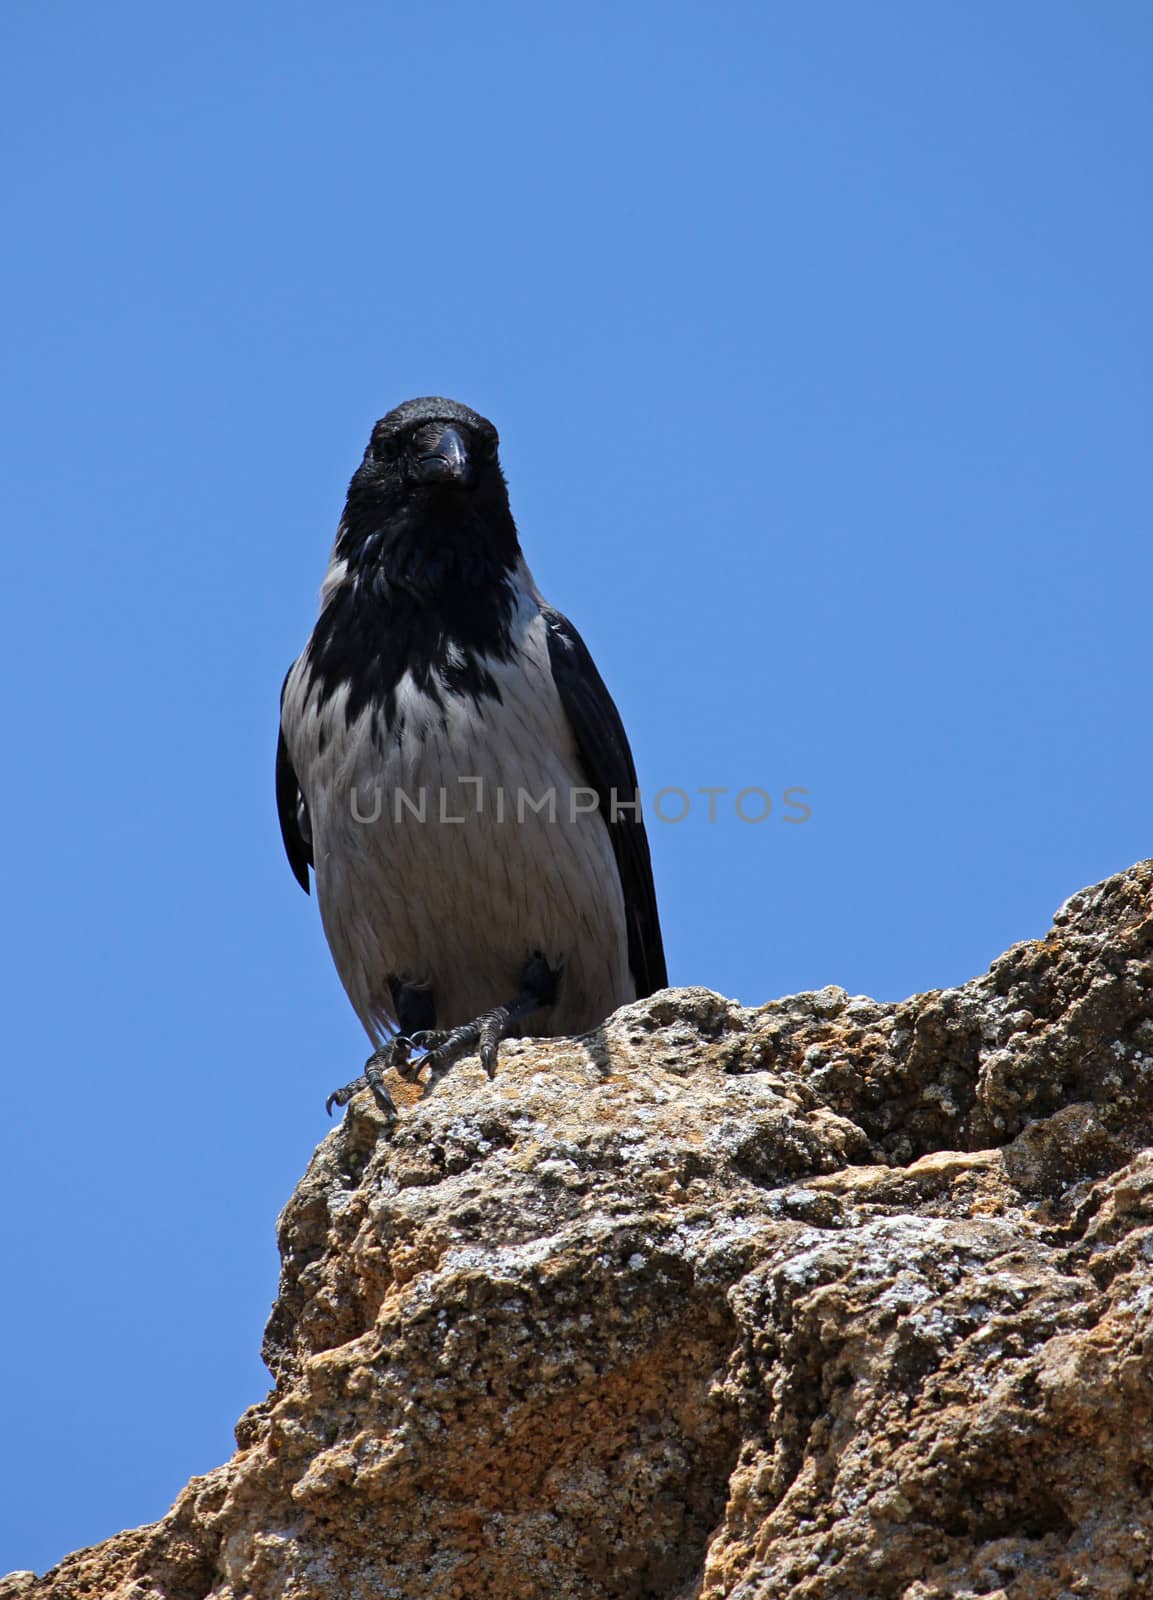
453, 769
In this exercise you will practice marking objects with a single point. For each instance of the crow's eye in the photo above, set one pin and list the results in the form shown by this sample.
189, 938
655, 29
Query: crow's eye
491, 446
385, 447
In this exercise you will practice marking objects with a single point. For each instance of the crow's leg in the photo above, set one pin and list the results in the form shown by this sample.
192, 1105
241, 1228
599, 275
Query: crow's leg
538, 988
415, 1013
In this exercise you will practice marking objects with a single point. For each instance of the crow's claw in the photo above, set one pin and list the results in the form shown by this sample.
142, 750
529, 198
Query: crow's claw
341, 1097
372, 1076
492, 1030
399, 1053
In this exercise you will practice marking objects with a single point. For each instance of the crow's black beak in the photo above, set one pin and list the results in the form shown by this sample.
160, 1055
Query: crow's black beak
444, 459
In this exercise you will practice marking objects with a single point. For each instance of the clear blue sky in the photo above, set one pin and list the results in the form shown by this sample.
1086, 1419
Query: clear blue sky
819, 340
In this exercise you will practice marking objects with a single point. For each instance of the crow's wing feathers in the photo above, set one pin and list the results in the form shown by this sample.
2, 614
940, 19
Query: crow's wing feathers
608, 764
289, 805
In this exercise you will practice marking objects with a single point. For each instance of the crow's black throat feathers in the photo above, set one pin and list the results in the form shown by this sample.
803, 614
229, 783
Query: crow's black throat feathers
421, 579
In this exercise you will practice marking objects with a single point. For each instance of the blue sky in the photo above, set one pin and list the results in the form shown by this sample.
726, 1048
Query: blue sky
819, 341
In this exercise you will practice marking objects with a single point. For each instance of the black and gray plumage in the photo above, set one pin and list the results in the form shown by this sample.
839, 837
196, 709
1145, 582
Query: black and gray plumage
436, 690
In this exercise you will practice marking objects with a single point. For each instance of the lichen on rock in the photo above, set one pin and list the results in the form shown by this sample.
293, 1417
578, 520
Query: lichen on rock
825, 1299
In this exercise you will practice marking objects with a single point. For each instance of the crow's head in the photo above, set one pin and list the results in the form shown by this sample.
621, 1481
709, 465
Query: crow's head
432, 452
428, 505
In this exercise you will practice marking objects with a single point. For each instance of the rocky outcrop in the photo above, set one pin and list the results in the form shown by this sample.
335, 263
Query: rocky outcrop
824, 1298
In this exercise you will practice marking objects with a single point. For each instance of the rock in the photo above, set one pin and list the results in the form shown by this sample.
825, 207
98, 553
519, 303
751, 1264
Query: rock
826, 1300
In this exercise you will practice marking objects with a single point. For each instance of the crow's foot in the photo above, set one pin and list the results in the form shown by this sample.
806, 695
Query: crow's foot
446, 1046
394, 1054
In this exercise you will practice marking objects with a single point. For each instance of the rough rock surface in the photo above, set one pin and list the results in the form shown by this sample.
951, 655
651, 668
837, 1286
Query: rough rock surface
824, 1298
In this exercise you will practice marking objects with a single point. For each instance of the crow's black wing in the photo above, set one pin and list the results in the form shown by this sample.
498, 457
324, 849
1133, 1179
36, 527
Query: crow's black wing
608, 765
289, 808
